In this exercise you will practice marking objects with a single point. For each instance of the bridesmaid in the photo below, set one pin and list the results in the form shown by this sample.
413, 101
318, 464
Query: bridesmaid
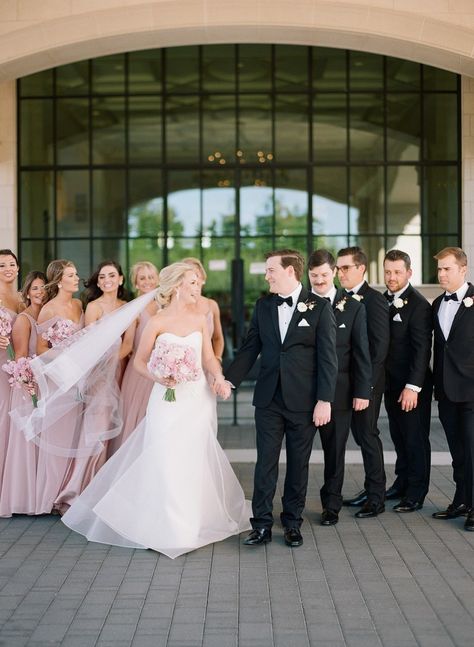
60, 309
19, 475
10, 305
136, 389
208, 308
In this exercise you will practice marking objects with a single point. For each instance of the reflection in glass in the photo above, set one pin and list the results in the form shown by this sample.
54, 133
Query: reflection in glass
255, 129
218, 206
108, 202
72, 131
73, 79
217, 261
182, 69
291, 202
431, 246
436, 79
440, 200
184, 198
37, 85
330, 209
148, 249
72, 203
35, 255
440, 120
146, 203
77, 251
108, 130
402, 75
329, 69
403, 127
144, 71
365, 71
366, 126
366, 192
144, 119
293, 242
182, 129
108, 74
37, 204
178, 248
332, 243
329, 127
252, 252
218, 68
255, 68
114, 249
291, 127
219, 130
403, 200
291, 68
374, 248
36, 123
256, 202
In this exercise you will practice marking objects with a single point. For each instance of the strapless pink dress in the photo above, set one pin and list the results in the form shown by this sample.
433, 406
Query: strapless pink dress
5, 403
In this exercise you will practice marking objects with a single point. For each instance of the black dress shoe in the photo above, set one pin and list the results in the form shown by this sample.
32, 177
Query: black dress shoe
469, 523
258, 536
406, 505
359, 499
370, 509
293, 537
393, 493
329, 518
451, 512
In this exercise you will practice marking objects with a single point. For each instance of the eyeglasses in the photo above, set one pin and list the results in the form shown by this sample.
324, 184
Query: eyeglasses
345, 268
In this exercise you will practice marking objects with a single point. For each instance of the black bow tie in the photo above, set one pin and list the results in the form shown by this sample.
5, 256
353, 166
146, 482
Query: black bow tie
281, 300
390, 297
350, 293
327, 299
451, 297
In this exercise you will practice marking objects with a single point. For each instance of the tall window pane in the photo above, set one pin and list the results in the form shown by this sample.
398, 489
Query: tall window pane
330, 209
108, 203
108, 130
37, 204
145, 203
291, 128
72, 131
366, 190
36, 123
329, 127
145, 128
440, 120
72, 203
184, 203
291, 202
182, 129
255, 128
256, 202
366, 126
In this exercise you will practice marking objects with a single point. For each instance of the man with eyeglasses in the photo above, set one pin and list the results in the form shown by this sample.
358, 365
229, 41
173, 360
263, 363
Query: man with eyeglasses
351, 268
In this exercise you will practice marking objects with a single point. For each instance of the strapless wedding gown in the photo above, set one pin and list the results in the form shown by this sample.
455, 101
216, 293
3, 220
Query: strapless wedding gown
170, 486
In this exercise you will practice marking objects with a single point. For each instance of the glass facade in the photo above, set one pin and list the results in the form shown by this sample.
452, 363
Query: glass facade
226, 151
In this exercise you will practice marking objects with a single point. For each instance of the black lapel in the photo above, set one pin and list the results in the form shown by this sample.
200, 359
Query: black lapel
274, 313
461, 310
296, 314
436, 325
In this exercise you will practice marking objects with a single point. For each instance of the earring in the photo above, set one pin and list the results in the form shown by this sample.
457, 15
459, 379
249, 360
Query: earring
177, 294
59, 285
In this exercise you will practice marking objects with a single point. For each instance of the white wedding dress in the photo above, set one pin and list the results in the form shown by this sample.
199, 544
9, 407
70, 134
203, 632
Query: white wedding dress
170, 487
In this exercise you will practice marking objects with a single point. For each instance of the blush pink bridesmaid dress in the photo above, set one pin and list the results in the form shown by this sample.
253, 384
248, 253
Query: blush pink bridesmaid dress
5, 403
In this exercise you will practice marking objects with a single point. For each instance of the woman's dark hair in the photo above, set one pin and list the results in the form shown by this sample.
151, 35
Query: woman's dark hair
8, 252
92, 290
29, 278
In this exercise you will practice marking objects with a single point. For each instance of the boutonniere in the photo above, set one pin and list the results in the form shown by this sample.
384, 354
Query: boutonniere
357, 297
399, 303
303, 306
340, 305
468, 302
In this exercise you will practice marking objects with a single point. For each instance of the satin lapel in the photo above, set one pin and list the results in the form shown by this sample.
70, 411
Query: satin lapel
436, 323
296, 314
461, 310
274, 314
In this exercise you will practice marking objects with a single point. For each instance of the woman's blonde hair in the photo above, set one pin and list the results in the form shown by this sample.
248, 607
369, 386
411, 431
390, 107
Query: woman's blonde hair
191, 260
137, 267
54, 274
171, 278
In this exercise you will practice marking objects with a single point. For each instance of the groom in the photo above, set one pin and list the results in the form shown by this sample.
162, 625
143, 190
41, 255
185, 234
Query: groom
294, 332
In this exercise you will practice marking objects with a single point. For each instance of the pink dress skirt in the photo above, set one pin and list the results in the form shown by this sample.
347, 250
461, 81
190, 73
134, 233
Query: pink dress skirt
5, 404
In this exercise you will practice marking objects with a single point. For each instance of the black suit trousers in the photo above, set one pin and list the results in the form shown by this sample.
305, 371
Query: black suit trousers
366, 434
273, 423
334, 440
457, 419
410, 431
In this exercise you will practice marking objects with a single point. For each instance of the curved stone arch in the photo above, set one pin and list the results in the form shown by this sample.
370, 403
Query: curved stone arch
77, 30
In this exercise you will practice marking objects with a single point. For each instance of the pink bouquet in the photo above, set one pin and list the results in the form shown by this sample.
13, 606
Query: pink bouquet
59, 332
174, 361
6, 329
21, 375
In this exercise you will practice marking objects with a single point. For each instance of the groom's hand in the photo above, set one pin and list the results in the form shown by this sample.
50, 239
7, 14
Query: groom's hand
322, 413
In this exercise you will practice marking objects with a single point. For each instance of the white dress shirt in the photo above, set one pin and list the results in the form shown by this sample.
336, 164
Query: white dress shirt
331, 294
448, 309
285, 312
356, 288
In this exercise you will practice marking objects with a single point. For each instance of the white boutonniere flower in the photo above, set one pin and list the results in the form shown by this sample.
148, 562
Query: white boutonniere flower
357, 297
340, 305
303, 306
468, 302
399, 302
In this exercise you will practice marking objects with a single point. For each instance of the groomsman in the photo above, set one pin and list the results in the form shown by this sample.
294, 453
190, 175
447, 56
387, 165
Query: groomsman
354, 378
294, 332
453, 372
351, 268
408, 383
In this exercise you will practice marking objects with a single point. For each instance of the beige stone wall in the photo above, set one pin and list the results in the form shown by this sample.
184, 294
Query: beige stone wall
38, 34
468, 170
8, 235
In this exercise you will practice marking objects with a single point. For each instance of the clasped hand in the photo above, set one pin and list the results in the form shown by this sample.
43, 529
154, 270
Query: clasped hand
222, 388
4, 342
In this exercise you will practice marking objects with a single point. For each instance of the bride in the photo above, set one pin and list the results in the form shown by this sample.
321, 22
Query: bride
170, 486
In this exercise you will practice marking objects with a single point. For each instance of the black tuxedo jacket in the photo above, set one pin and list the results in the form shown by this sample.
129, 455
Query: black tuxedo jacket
410, 342
305, 364
453, 368
378, 329
354, 376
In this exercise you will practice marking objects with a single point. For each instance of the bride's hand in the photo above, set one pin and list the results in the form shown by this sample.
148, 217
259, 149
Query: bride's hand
169, 382
222, 388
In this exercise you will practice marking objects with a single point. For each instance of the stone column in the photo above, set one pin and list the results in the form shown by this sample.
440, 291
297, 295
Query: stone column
8, 175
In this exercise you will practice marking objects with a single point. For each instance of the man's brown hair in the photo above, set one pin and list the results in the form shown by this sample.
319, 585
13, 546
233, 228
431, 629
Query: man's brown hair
457, 252
320, 257
289, 257
358, 256
398, 255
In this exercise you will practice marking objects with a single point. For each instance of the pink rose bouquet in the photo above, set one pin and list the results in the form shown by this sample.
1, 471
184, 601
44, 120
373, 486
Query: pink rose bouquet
21, 376
5, 330
174, 361
59, 332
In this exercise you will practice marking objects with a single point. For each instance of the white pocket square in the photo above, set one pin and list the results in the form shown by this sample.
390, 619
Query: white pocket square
397, 317
342, 326
303, 322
